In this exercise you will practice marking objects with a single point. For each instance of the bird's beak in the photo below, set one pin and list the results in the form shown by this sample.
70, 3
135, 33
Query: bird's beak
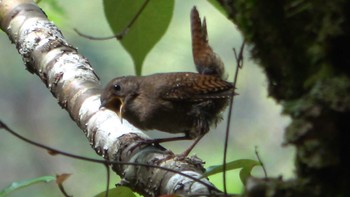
121, 110
115, 104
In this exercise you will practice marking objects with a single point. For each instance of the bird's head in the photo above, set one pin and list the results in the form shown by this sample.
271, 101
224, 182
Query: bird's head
117, 92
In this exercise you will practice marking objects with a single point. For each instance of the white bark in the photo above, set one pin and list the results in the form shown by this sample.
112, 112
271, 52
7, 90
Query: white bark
72, 80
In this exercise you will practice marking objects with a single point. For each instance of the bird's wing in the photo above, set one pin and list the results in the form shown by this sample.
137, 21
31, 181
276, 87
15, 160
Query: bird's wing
196, 87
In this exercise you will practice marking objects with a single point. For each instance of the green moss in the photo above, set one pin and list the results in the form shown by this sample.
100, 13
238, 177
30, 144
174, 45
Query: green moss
303, 47
333, 92
291, 40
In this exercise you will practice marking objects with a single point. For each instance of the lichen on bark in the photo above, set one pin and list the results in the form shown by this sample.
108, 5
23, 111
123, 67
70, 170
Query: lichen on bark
303, 47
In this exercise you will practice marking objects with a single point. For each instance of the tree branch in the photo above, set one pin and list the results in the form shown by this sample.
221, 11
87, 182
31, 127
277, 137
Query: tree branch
71, 79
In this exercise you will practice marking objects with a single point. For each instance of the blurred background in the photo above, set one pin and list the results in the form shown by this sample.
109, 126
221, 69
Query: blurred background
29, 108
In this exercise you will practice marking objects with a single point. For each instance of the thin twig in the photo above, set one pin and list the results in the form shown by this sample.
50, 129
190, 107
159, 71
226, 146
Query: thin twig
239, 62
260, 161
60, 179
120, 35
63, 191
219, 195
56, 151
117, 36
108, 179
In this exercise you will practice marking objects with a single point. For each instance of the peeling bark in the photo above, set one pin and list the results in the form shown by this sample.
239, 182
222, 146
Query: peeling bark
72, 81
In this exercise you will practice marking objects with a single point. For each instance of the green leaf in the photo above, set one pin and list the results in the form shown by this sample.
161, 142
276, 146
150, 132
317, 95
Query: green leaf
119, 191
25, 183
247, 166
148, 28
218, 6
54, 11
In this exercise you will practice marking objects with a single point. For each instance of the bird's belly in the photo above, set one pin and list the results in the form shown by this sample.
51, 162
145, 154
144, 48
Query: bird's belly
164, 119
177, 117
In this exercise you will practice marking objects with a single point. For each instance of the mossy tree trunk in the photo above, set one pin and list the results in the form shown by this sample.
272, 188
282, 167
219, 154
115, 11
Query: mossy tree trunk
303, 47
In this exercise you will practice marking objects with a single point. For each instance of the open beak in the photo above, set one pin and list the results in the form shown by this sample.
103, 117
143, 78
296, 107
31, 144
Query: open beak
115, 104
121, 110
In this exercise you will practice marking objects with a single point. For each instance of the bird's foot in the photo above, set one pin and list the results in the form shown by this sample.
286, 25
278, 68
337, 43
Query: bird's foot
146, 142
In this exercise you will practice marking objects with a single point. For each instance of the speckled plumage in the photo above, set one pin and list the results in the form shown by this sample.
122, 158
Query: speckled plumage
206, 61
170, 102
183, 102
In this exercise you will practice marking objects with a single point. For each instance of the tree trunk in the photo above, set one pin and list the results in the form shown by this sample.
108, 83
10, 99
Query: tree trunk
303, 46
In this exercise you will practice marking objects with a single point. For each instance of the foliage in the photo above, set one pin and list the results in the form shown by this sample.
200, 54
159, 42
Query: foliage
147, 30
294, 40
247, 166
26, 183
139, 53
54, 11
119, 191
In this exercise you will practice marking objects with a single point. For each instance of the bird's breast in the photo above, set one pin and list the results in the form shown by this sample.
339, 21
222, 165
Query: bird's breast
162, 115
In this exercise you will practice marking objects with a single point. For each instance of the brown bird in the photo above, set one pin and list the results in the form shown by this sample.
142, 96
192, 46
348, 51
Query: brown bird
206, 61
181, 102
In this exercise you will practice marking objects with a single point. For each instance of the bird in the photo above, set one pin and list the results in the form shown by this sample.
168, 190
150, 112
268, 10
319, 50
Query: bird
178, 102
206, 60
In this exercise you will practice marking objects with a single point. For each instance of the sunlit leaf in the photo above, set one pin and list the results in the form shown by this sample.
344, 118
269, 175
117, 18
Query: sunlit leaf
147, 29
119, 191
246, 166
246, 171
25, 183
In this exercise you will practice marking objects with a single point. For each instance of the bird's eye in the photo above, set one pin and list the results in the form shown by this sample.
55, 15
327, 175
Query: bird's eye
117, 87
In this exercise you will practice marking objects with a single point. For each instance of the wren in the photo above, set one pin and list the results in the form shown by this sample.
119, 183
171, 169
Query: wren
206, 60
180, 102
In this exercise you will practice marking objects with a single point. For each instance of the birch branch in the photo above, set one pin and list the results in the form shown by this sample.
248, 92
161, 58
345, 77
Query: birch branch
73, 82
